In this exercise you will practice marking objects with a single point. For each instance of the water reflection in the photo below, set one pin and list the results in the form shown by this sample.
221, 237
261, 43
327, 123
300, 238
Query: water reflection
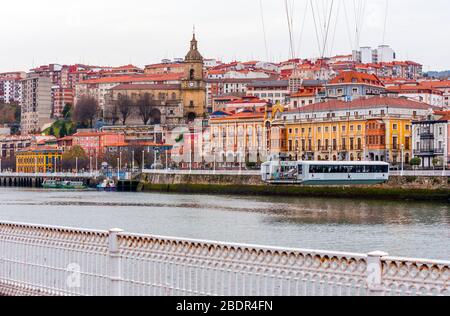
401, 228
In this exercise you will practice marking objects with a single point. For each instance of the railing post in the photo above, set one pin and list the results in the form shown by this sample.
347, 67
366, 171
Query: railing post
375, 273
115, 273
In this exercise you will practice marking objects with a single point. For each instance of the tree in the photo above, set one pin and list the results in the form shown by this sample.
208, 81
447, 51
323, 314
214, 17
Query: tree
67, 111
112, 114
125, 107
145, 106
8, 114
63, 131
86, 111
436, 162
415, 162
69, 159
51, 131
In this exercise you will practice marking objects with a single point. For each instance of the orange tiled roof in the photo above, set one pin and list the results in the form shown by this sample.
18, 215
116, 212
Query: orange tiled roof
239, 116
374, 102
93, 134
413, 88
356, 77
135, 78
436, 84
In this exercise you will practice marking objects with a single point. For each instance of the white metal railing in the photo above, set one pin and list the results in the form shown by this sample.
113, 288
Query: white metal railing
205, 172
43, 260
51, 175
424, 173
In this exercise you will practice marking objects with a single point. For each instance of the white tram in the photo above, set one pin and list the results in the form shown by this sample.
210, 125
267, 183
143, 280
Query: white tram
325, 172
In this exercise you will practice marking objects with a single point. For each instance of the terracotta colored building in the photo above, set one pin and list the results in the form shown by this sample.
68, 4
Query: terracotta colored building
95, 143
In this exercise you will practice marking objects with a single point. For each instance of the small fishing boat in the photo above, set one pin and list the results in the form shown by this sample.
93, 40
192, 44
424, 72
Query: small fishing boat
50, 184
107, 185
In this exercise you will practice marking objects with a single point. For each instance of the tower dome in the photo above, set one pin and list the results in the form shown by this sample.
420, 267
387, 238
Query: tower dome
194, 54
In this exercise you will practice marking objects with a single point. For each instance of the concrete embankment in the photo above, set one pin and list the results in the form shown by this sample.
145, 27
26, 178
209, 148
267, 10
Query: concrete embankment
398, 188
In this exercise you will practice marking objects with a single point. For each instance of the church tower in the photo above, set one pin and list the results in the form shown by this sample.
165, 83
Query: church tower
193, 84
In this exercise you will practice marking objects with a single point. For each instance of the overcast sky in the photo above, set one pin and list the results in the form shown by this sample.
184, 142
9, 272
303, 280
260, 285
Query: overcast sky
117, 32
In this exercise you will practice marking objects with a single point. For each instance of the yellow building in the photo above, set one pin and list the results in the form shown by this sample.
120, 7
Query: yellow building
353, 139
374, 129
326, 140
38, 160
247, 136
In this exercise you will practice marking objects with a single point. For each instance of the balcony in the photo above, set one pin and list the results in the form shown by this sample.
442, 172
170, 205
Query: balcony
428, 152
427, 135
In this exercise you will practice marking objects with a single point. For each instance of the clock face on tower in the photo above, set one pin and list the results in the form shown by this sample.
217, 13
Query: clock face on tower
191, 84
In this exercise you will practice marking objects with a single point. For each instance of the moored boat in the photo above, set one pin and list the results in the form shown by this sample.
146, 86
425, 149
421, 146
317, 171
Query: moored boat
64, 185
107, 185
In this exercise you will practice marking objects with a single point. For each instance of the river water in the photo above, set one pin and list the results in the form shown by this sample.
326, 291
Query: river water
412, 229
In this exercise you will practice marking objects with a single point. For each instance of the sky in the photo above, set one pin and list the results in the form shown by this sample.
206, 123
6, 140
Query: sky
141, 32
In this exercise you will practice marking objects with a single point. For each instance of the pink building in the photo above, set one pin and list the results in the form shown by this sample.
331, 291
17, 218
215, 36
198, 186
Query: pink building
95, 143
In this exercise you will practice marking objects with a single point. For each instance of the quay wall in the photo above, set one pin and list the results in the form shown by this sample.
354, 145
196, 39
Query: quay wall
398, 188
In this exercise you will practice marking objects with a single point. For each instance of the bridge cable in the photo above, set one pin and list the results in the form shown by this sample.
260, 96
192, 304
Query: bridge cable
264, 29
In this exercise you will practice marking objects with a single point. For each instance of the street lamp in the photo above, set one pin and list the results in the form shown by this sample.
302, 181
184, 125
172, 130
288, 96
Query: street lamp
167, 159
76, 164
118, 168
132, 161
403, 157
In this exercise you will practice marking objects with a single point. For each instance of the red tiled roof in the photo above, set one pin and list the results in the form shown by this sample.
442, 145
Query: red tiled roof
413, 89
436, 84
135, 78
374, 102
93, 134
347, 77
147, 87
241, 115
65, 138
161, 65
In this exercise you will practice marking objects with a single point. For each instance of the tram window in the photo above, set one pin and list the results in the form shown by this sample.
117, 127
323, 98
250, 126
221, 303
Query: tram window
300, 169
348, 169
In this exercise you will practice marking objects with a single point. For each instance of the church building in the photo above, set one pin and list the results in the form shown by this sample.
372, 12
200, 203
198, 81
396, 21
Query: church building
175, 98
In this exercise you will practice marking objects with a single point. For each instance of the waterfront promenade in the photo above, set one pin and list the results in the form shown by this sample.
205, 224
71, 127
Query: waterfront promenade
57, 261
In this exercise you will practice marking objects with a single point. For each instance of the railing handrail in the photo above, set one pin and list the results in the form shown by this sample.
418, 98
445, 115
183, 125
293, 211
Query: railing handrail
114, 262
55, 174
250, 246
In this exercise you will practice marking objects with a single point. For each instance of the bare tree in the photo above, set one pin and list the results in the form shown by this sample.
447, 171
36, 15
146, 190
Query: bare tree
112, 114
125, 107
85, 111
145, 106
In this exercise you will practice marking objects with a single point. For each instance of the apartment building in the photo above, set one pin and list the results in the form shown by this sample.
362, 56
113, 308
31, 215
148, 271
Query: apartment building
272, 91
431, 141
350, 85
377, 129
36, 104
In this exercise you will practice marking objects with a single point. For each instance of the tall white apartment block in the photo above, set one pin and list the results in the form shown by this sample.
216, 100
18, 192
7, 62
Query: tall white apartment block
367, 55
36, 104
385, 54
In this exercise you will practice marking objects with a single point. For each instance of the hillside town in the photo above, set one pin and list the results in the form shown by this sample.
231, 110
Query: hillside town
364, 106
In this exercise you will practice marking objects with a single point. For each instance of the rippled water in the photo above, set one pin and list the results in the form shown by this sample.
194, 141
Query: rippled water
401, 228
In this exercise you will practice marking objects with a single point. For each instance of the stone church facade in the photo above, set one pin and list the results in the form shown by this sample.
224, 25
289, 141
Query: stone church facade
173, 103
